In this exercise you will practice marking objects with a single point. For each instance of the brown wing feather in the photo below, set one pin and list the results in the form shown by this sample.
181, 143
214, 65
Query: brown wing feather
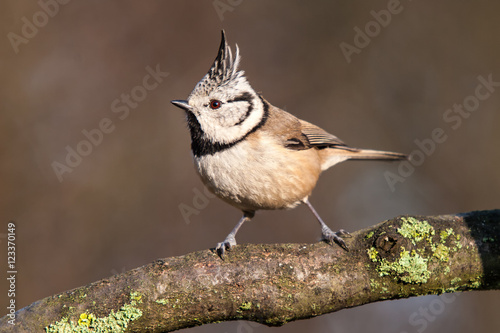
298, 134
286, 128
320, 138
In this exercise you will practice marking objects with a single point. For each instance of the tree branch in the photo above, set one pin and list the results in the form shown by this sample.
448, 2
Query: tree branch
274, 284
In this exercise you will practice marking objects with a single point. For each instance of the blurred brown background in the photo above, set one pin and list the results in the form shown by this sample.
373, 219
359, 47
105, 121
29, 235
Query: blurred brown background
119, 207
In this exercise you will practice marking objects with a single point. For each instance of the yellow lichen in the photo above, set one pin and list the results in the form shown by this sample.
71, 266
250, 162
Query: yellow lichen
409, 268
415, 230
86, 319
372, 253
115, 322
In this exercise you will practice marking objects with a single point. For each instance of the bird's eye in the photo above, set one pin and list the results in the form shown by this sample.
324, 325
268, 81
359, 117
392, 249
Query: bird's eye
215, 104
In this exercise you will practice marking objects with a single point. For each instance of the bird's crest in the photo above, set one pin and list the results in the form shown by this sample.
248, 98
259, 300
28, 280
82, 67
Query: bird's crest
224, 70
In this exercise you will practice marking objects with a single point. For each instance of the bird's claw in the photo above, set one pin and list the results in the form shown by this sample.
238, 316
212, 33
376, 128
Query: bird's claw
329, 236
224, 246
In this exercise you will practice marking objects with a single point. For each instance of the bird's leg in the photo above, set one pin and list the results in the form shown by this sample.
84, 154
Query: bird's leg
230, 240
326, 233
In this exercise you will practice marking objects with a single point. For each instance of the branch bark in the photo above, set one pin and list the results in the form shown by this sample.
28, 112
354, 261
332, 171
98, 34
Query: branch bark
274, 284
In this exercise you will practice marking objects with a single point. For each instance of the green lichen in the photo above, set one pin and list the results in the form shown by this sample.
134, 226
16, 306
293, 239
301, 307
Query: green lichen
162, 301
377, 286
86, 319
458, 245
372, 254
374, 284
370, 235
441, 252
115, 322
444, 234
135, 296
246, 306
476, 282
412, 266
416, 230
409, 268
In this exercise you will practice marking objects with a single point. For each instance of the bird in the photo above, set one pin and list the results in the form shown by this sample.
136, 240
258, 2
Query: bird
256, 156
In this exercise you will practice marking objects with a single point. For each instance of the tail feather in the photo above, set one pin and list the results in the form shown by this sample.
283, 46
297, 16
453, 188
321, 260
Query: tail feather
377, 155
340, 154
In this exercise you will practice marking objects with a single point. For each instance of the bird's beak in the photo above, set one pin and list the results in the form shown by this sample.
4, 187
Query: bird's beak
182, 104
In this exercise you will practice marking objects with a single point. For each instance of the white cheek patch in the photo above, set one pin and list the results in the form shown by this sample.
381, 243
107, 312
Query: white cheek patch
235, 123
235, 113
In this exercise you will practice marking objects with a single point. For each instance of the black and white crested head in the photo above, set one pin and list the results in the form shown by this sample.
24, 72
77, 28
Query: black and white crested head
223, 108
224, 70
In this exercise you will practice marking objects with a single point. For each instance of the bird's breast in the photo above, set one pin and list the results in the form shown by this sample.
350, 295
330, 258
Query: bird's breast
258, 173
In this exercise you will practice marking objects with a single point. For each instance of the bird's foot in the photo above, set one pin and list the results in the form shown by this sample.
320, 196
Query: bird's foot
329, 236
224, 246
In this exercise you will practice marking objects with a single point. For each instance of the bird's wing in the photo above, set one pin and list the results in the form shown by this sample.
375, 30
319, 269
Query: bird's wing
319, 137
286, 128
298, 134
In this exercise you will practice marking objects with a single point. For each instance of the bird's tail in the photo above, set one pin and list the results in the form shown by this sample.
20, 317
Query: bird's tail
344, 153
376, 155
